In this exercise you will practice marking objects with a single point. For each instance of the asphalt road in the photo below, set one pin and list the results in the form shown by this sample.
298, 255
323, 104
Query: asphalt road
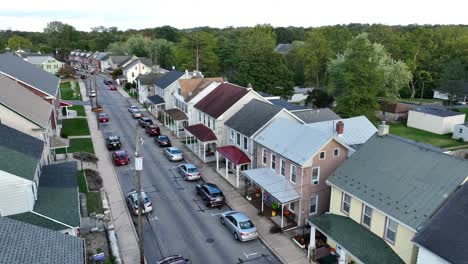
180, 223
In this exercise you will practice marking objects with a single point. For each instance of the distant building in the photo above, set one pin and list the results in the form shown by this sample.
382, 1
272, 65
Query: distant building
283, 48
434, 119
47, 63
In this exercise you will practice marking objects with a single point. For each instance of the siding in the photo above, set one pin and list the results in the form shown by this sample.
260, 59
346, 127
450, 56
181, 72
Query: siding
16, 195
427, 257
14, 120
435, 124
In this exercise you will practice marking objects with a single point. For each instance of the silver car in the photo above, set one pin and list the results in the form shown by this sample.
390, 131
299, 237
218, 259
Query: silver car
239, 225
92, 93
132, 200
136, 114
132, 107
173, 154
189, 171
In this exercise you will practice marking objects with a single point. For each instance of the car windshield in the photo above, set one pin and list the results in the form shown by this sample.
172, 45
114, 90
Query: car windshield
121, 154
217, 194
246, 224
164, 138
103, 115
192, 170
176, 151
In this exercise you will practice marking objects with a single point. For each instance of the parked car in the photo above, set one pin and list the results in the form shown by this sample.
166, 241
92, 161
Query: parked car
211, 194
163, 141
176, 259
83, 76
120, 158
92, 93
112, 87
103, 118
239, 225
113, 142
136, 114
132, 200
145, 121
189, 172
152, 130
107, 82
173, 154
132, 108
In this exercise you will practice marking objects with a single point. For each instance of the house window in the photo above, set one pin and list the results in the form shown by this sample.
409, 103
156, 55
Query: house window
133, 74
315, 175
238, 139
313, 204
366, 216
55, 66
214, 125
346, 203
48, 67
322, 155
204, 119
273, 161
209, 122
264, 157
336, 152
460, 130
245, 143
199, 116
179, 91
293, 173
390, 230
232, 135
283, 167
292, 207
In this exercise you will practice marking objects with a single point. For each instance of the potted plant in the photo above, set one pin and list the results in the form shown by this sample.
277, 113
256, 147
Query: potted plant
274, 208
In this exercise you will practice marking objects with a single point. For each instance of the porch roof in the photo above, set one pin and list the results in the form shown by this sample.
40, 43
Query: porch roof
58, 142
276, 185
355, 239
176, 114
234, 154
201, 132
65, 103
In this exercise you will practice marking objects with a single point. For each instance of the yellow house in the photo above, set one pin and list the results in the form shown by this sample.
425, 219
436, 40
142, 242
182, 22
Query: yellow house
381, 197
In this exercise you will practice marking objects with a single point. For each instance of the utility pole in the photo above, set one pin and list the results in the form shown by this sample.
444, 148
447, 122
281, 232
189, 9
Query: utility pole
138, 169
97, 105
96, 89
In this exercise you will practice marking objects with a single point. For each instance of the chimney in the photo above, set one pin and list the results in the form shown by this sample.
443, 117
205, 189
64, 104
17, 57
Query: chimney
173, 67
156, 68
383, 129
187, 76
340, 128
249, 87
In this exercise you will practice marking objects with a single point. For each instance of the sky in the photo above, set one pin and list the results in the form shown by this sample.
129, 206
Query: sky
33, 15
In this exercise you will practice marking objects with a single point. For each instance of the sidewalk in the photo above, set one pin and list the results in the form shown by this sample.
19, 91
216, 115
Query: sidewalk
122, 222
280, 244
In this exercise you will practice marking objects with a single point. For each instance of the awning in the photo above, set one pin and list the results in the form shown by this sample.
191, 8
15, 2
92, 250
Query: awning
201, 132
56, 142
355, 239
276, 185
65, 103
176, 114
156, 99
234, 154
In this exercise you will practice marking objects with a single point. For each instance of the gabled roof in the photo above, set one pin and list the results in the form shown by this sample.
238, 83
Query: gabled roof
221, 99
168, 79
101, 55
26, 72
401, 178
36, 60
287, 105
191, 87
149, 78
296, 142
21, 153
357, 130
117, 59
24, 243
125, 61
19, 99
253, 116
446, 233
316, 115
147, 62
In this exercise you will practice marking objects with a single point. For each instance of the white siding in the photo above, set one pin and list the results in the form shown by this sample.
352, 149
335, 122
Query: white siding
460, 131
427, 257
192, 112
136, 70
435, 124
14, 120
16, 194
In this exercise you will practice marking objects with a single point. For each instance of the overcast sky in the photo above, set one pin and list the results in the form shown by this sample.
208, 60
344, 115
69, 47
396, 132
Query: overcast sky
33, 15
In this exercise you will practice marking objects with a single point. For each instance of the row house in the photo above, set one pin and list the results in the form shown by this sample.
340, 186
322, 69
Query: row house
135, 68
293, 164
96, 60
207, 130
381, 197
146, 89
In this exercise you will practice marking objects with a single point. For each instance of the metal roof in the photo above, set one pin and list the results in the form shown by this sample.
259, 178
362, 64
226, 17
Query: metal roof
221, 99
296, 142
234, 154
168, 79
257, 113
24, 243
28, 73
316, 115
156, 99
405, 180
201, 132
357, 130
176, 114
276, 185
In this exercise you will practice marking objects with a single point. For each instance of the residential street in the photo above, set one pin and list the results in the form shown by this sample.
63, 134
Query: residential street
180, 223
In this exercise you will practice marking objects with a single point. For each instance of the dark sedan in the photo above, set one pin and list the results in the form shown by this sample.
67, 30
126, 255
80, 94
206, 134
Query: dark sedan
145, 121
163, 141
152, 130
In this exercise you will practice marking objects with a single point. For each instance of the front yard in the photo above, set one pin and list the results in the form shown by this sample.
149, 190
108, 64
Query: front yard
74, 127
70, 91
78, 145
93, 199
80, 111
442, 141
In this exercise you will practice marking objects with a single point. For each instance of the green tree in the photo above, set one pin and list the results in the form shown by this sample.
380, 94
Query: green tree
295, 60
61, 37
161, 52
317, 53
197, 51
453, 78
137, 45
117, 47
15, 42
319, 98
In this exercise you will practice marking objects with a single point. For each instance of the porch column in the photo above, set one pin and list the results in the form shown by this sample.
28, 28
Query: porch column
282, 215
227, 163
66, 153
342, 254
237, 175
217, 161
204, 152
177, 128
311, 247
262, 199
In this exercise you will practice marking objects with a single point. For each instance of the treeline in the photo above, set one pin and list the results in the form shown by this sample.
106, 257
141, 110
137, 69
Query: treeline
246, 55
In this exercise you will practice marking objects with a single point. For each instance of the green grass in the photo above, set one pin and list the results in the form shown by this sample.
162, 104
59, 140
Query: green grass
420, 101
464, 110
442, 141
77, 145
74, 127
82, 182
67, 92
80, 111
94, 203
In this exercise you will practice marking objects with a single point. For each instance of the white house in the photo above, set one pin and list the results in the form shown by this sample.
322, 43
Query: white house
460, 131
47, 63
434, 119
138, 66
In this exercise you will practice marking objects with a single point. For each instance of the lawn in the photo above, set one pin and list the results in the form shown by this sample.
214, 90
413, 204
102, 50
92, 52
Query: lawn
82, 182
74, 127
94, 202
80, 111
420, 101
442, 141
464, 110
77, 145
69, 91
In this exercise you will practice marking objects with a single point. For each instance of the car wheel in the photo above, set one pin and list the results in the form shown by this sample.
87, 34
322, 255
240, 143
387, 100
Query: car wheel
197, 191
222, 221
236, 237
208, 203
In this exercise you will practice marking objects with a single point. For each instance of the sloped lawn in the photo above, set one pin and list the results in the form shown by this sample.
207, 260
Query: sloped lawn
442, 141
74, 127
78, 145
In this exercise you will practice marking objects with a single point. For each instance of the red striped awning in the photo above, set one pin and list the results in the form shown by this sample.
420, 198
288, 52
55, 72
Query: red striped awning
234, 154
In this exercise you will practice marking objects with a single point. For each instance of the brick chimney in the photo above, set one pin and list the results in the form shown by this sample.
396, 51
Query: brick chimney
340, 128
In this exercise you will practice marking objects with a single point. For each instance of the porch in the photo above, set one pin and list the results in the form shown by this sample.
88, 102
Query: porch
201, 141
235, 160
156, 106
270, 193
64, 105
176, 120
59, 143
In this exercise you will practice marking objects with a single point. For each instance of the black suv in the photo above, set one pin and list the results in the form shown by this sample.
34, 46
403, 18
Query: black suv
107, 82
113, 142
211, 194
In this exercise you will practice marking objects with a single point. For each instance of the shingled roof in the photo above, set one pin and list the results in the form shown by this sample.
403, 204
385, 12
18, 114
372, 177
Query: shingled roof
221, 99
402, 178
168, 79
191, 87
